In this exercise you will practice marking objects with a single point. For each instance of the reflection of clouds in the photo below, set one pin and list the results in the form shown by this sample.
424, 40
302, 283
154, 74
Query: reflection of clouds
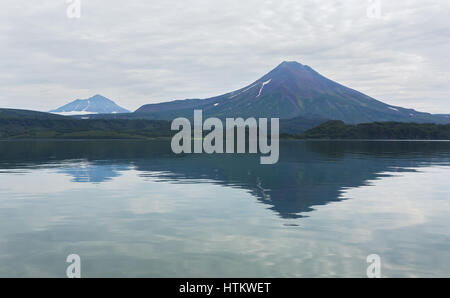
151, 204
151, 227
402, 216
173, 196
398, 200
36, 182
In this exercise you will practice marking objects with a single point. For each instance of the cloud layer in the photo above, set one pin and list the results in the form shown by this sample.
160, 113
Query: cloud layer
139, 52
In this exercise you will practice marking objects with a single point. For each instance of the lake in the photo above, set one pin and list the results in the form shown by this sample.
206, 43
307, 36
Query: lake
134, 209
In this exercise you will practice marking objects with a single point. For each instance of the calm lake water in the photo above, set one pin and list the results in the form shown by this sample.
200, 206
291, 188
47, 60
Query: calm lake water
133, 209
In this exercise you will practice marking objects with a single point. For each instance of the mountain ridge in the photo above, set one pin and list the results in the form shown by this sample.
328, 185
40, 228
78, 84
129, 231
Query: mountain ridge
96, 104
288, 91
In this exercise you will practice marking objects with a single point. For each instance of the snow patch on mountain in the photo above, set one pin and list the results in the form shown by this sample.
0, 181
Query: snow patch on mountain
252, 86
262, 87
73, 113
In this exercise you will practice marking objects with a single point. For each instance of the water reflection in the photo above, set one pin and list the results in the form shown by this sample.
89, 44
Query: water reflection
83, 171
134, 209
309, 173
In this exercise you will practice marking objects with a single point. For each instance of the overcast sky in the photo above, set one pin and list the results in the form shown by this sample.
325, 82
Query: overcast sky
138, 52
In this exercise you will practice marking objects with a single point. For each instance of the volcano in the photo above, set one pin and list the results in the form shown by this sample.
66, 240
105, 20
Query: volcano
292, 90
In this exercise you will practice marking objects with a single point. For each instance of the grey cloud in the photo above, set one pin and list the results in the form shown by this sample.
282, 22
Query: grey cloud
151, 51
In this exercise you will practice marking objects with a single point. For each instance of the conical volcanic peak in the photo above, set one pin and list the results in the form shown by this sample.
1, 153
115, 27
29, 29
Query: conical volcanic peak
289, 91
96, 104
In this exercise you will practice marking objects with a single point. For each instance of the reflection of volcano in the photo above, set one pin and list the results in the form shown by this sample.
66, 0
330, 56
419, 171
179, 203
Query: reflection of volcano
93, 173
308, 174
